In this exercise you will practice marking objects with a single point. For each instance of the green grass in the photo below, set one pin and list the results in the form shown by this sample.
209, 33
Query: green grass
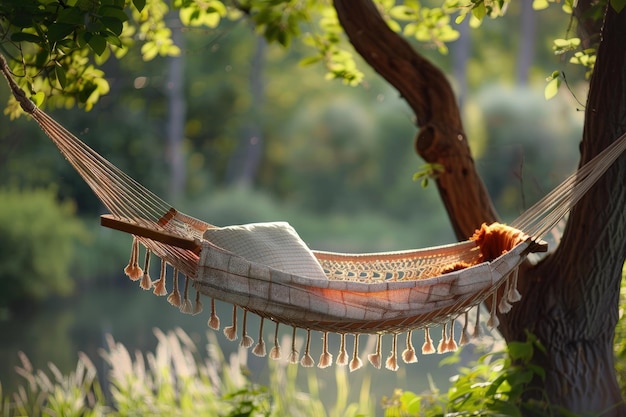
176, 379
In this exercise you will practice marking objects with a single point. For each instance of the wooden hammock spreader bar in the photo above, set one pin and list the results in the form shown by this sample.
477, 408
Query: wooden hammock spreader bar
149, 231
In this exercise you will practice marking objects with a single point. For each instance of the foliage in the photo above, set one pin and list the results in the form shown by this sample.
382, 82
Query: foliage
175, 379
36, 249
59, 52
580, 52
492, 386
427, 172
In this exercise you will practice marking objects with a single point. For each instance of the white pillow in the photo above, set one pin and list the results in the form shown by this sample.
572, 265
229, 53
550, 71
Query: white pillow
275, 244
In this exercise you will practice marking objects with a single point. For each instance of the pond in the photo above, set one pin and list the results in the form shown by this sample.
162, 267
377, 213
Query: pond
57, 331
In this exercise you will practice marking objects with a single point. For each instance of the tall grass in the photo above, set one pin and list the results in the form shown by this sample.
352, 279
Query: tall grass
177, 379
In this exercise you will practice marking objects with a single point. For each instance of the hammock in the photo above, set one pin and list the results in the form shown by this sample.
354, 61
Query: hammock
267, 270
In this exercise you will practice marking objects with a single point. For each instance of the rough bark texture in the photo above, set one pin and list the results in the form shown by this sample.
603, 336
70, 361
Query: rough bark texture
571, 299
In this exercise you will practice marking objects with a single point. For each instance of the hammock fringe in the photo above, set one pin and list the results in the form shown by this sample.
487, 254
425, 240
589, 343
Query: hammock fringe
266, 270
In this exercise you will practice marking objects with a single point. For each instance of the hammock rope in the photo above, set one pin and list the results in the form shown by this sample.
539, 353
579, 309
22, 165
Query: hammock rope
265, 269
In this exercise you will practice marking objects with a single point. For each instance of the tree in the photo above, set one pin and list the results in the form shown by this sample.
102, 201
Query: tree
570, 299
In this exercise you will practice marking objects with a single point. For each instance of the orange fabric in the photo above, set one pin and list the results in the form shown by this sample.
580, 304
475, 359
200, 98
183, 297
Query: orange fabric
496, 239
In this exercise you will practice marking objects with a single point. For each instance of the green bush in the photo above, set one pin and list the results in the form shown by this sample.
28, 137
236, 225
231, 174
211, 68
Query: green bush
37, 237
492, 386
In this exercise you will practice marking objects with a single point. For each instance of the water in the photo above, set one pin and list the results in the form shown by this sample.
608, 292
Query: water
57, 331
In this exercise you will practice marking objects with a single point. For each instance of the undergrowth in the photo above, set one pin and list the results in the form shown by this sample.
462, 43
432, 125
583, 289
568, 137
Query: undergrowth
175, 380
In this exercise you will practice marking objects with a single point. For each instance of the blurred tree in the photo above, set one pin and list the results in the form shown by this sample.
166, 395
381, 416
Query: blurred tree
38, 236
570, 299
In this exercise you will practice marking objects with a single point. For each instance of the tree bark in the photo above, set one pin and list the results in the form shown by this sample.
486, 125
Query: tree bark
570, 300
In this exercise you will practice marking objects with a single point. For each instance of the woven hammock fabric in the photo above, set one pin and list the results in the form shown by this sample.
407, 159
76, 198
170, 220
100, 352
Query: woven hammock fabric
267, 270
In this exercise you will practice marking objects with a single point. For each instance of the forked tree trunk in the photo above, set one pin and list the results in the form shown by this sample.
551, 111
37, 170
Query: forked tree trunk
571, 299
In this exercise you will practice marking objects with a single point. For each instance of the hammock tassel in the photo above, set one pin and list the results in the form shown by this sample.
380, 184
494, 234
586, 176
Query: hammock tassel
293, 356
133, 270
326, 358
356, 362
174, 297
342, 358
146, 282
464, 335
452, 346
159, 286
493, 321
477, 332
246, 341
514, 295
392, 361
408, 355
214, 320
504, 306
374, 358
186, 306
442, 347
231, 331
275, 352
197, 307
427, 347
307, 361
259, 349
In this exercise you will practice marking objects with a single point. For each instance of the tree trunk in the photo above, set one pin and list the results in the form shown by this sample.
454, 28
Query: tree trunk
570, 300
177, 110
244, 164
527, 43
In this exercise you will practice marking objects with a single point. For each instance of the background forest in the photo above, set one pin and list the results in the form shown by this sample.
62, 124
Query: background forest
234, 131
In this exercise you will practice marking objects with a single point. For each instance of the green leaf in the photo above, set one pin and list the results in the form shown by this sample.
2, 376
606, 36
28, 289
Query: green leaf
97, 43
25, 37
113, 12
411, 402
403, 13
618, 5
38, 98
58, 31
149, 51
310, 60
113, 24
552, 88
537, 370
113, 40
479, 11
71, 15
505, 408
521, 350
139, 4
540, 4
60, 74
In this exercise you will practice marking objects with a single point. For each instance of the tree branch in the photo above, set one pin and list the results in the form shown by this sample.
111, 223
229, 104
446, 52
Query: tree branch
441, 138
